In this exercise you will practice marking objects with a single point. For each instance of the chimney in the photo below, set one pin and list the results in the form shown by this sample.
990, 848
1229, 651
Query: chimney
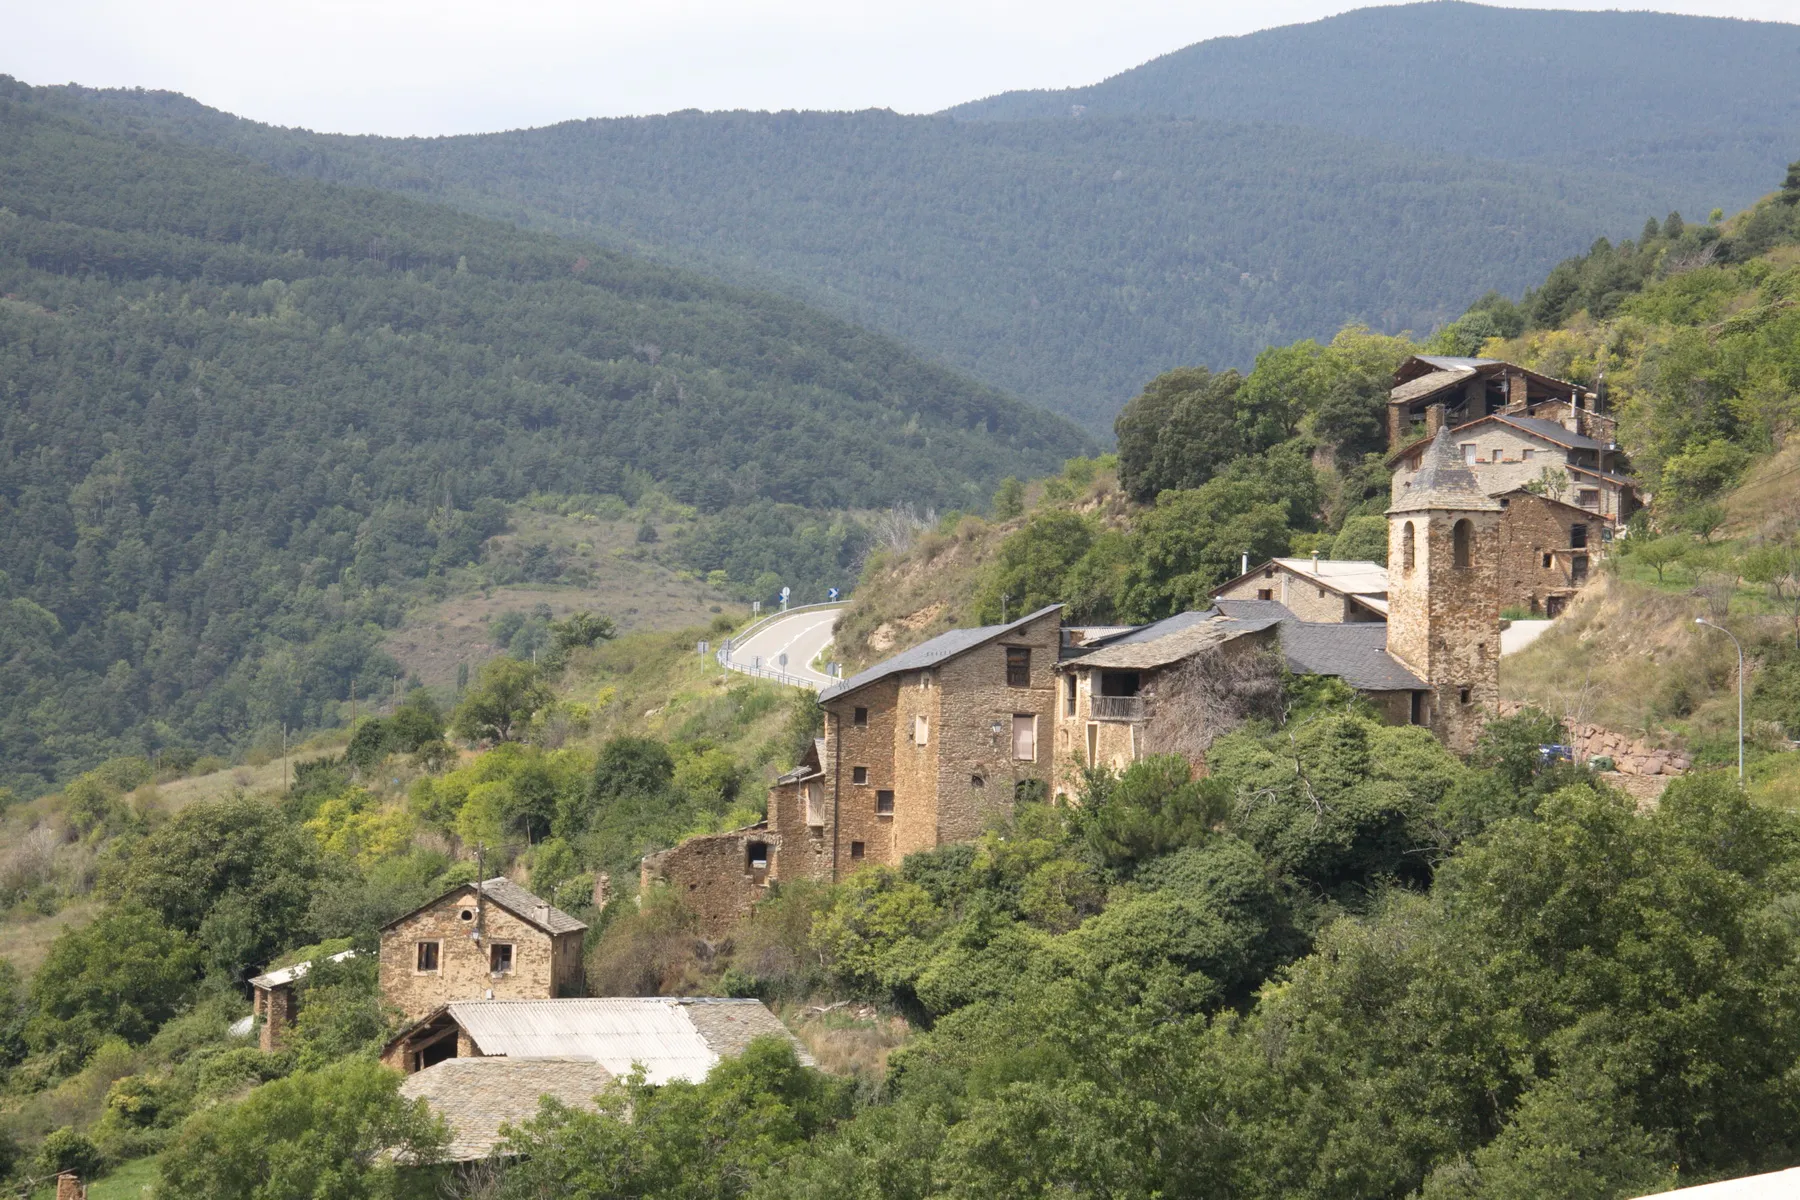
69, 1187
1245, 568
1574, 421
1315, 562
543, 914
602, 889
1434, 420
1516, 398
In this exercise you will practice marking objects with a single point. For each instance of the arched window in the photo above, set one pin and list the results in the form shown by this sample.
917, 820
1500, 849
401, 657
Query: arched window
1406, 546
1462, 543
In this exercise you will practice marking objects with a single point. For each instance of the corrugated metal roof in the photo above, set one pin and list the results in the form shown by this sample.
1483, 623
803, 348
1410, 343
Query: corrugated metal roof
476, 1096
287, 975
660, 1032
930, 653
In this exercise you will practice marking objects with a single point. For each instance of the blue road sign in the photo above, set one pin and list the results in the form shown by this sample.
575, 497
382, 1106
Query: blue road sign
832, 592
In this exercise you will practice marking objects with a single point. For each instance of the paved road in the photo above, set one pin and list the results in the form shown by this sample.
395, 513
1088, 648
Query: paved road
800, 635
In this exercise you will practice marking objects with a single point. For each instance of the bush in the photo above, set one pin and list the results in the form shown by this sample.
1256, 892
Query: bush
66, 1150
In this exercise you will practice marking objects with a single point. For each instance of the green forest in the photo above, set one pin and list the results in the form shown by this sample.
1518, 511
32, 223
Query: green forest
243, 414
1063, 261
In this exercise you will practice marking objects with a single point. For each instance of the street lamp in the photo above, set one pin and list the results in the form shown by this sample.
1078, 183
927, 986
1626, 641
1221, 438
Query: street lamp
1740, 652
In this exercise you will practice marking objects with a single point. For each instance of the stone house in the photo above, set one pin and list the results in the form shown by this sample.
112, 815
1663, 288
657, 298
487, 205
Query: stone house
1315, 589
274, 1003
495, 941
1547, 549
1431, 391
1507, 451
671, 1037
918, 751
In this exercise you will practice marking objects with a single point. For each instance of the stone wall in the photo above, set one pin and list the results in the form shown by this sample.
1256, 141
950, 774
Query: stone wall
1444, 620
914, 823
1631, 755
275, 1006
1304, 598
850, 807
1536, 529
539, 971
802, 850
713, 876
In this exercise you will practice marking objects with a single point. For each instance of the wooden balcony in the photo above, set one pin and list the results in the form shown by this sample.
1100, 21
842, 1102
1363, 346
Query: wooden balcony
1117, 708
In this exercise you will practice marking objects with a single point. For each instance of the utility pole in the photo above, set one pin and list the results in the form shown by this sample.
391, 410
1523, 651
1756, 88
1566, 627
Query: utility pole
284, 760
1003, 599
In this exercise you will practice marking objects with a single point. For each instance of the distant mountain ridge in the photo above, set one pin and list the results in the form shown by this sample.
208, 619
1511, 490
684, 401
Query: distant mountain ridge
1236, 194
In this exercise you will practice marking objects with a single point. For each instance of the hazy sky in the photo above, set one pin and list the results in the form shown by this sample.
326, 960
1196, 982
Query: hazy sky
453, 66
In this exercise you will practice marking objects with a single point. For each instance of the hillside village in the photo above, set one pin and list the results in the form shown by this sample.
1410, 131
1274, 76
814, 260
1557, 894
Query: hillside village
490, 713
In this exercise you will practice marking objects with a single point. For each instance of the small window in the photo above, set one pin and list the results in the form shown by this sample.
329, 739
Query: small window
859, 774
428, 956
884, 803
756, 856
976, 781
1406, 546
1462, 695
1497, 455
467, 914
1268, 572
856, 851
1588, 497
921, 731
1068, 695
1265, 593
1578, 534
1321, 593
859, 717
1018, 667
1469, 451
1527, 455
1462, 539
1024, 737
1548, 560
500, 958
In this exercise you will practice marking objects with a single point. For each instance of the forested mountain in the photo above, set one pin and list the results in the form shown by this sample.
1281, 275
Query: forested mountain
241, 410
1706, 105
1241, 193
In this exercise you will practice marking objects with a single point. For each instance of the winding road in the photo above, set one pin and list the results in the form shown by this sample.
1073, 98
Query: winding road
801, 635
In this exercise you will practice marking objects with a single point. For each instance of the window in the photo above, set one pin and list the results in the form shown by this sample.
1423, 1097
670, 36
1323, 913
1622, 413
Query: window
1268, 572
1119, 683
1549, 559
976, 781
1578, 570
1024, 737
1527, 455
1069, 695
1462, 695
1462, 538
815, 805
859, 717
1469, 451
756, 856
1321, 593
856, 851
1588, 497
1578, 535
428, 956
500, 960
467, 914
921, 731
1265, 593
1497, 454
1018, 666
884, 804
859, 774
1406, 546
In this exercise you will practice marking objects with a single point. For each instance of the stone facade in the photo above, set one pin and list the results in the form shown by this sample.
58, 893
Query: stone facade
1548, 551
1504, 457
719, 877
1306, 598
1444, 594
274, 1011
543, 964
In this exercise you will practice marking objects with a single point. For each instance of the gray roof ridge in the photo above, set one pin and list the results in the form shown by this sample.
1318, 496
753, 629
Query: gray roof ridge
901, 661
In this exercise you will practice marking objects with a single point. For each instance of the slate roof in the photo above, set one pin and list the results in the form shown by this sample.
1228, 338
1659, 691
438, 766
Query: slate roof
930, 653
673, 1037
287, 975
1355, 652
514, 899
476, 1096
1444, 481
1550, 431
1609, 476
1173, 647
1155, 629
1429, 385
1254, 608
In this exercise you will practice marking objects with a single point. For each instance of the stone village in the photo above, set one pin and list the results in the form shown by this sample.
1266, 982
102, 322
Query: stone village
927, 747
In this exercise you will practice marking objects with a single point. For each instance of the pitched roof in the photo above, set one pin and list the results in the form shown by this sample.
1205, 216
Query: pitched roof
1254, 608
1550, 431
930, 653
1354, 651
1609, 476
1154, 630
1209, 631
530, 908
1346, 576
1444, 481
476, 1096
1429, 385
673, 1037
287, 975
